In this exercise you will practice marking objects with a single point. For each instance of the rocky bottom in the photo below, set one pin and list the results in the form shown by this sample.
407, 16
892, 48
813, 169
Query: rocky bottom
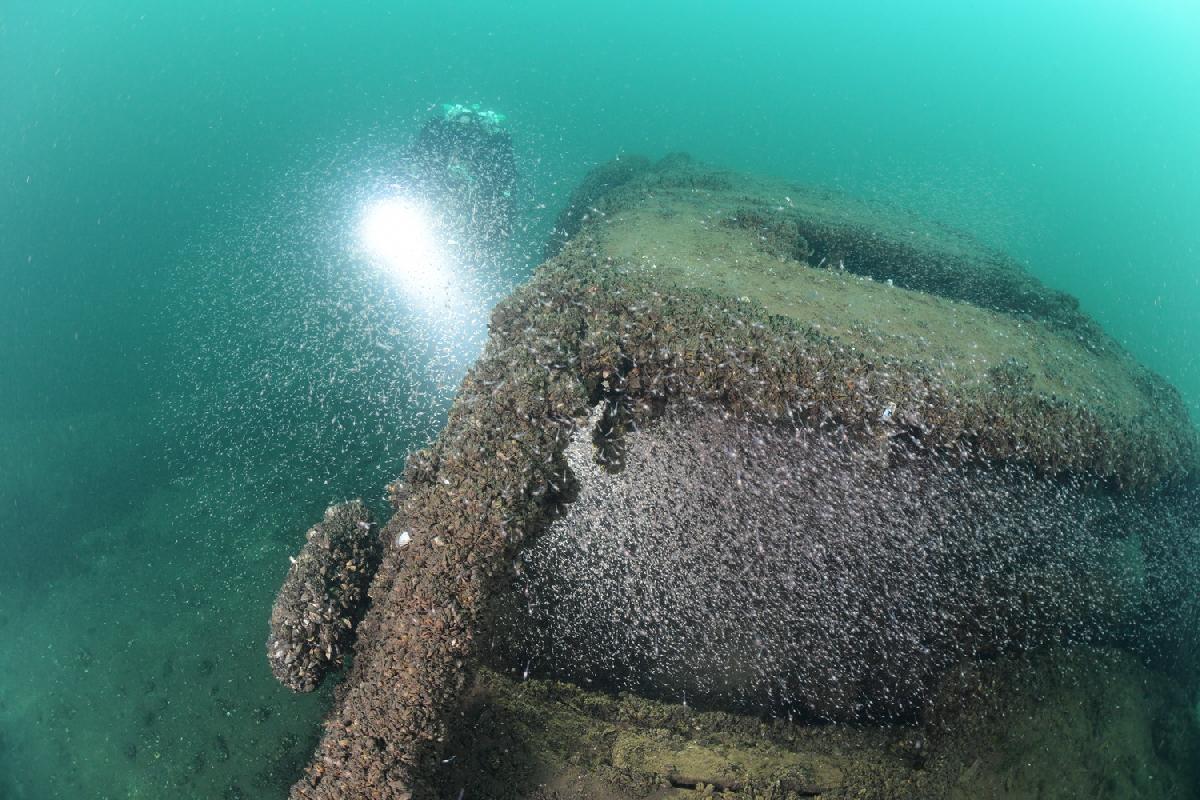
1076, 723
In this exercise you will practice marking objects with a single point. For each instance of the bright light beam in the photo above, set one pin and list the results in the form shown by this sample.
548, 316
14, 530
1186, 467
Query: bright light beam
399, 235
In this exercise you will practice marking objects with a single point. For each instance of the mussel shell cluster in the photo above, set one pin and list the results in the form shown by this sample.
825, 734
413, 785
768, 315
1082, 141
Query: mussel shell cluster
322, 598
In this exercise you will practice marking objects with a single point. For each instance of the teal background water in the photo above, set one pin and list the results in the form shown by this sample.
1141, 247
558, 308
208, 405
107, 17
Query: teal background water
190, 362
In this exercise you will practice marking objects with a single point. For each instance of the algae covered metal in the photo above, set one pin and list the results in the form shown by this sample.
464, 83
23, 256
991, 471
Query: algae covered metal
759, 450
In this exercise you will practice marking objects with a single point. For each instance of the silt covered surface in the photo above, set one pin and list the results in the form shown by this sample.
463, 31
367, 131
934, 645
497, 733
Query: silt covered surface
685, 306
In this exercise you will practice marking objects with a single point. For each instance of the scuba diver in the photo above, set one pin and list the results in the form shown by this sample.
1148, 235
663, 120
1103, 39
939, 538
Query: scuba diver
443, 228
462, 163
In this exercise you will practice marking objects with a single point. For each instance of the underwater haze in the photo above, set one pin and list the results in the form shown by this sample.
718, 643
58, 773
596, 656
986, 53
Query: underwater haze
201, 346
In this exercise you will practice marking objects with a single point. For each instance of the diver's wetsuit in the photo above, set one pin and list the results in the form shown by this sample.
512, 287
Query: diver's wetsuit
462, 161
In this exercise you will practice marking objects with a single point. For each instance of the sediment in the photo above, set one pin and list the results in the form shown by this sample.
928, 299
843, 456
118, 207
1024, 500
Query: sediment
916, 360
1059, 722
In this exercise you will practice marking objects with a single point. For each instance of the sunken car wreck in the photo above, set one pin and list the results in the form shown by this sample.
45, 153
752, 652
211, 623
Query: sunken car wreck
745, 461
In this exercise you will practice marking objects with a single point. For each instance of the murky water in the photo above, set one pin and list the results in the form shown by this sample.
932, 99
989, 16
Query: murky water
201, 347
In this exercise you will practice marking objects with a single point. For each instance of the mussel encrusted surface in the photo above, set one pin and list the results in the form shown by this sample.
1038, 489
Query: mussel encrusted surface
322, 597
925, 480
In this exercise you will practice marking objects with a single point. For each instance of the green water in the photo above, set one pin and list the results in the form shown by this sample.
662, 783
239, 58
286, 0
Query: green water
193, 363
